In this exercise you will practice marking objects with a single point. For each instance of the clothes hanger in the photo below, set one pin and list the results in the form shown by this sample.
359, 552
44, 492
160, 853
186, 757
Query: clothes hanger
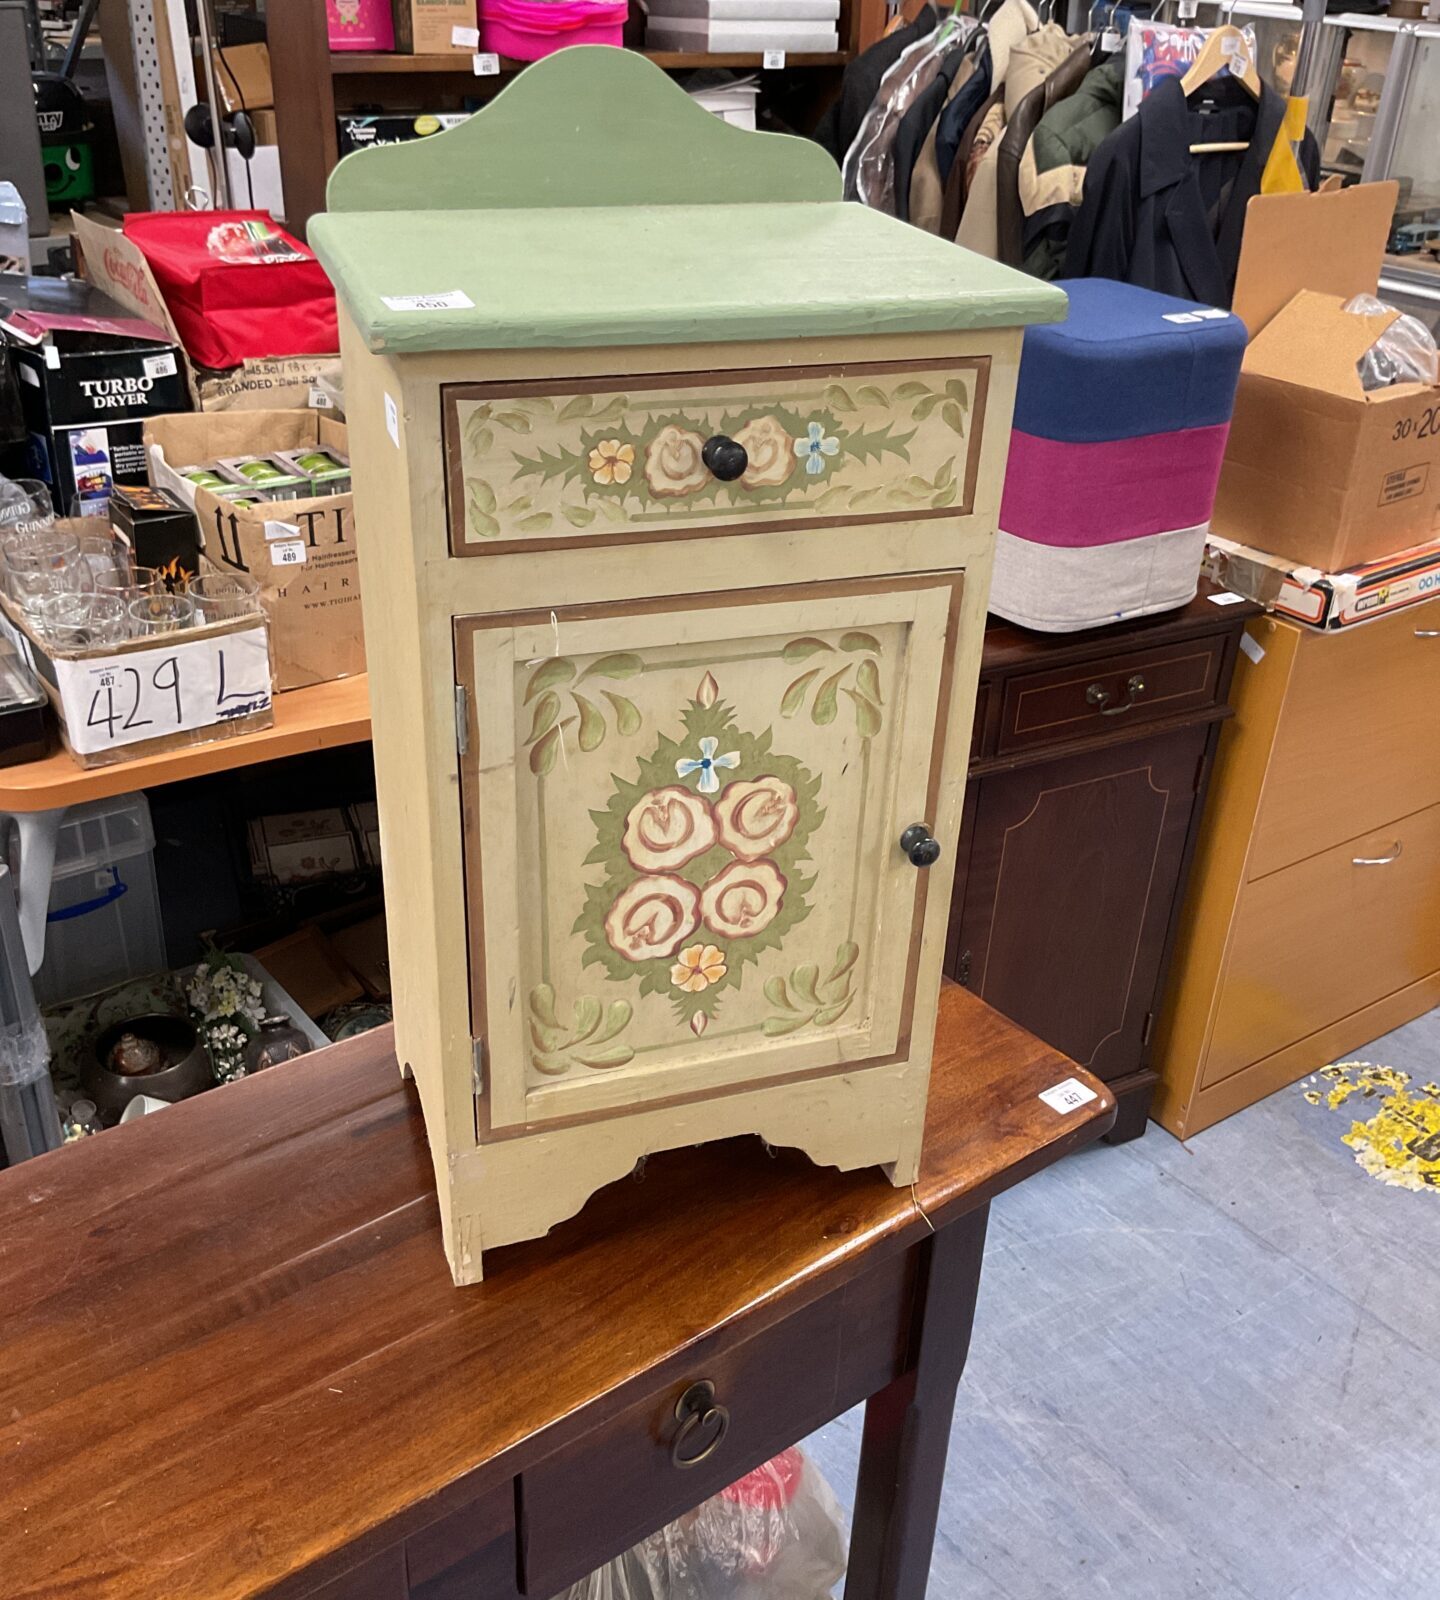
1227, 47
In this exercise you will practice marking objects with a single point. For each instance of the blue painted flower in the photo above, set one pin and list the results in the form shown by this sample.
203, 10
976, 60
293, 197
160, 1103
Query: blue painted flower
813, 449
707, 764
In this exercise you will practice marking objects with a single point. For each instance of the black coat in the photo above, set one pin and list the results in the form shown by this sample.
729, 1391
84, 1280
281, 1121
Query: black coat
836, 130
1156, 216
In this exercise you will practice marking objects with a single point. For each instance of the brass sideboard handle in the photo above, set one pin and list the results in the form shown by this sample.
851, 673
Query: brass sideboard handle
1378, 861
696, 1412
1098, 695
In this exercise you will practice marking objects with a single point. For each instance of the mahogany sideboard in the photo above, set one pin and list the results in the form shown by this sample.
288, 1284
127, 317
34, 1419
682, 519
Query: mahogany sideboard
234, 1363
1089, 764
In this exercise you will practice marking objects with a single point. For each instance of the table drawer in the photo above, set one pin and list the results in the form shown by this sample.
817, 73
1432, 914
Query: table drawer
588, 1503
1327, 937
1068, 703
541, 465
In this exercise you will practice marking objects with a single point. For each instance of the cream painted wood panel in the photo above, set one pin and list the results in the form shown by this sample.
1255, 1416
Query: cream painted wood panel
536, 465
685, 817
1327, 937
1357, 743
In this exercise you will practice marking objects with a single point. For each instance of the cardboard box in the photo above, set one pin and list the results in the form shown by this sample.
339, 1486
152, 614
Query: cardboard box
1327, 600
427, 27
300, 846
1317, 469
242, 78
89, 376
120, 269
267, 130
359, 132
160, 529
302, 552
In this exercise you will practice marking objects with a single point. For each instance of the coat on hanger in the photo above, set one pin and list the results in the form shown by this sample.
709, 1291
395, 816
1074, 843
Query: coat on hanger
1057, 88
918, 122
927, 193
836, 130
1157, 216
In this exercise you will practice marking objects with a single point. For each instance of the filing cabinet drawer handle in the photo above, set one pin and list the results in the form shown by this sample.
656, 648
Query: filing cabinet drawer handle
699, 1417
1379, 861
1098, 695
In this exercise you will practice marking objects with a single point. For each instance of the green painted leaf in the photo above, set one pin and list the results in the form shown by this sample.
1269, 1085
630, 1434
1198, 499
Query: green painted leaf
618, 1055
613, 509
556, 670
611, 413
836, 396
833, 496
948, 495
867, 681
803, 649
581, 406
542, 756
775, 993
579, 516
827, 701
959, 393
587, 1017
855, 640
794, 696
545, 1039
802, 981
773, 1027
553, 1064
953, 417
483, 526
547, 711
516, 421
480, 440
542, 1005
845, 958
592, 724
911, 390
627, 715
536, 523
924, 407
873, 396
622, 664
945, 474
617, 1018
520, 503
828, 1014
481, 495
918, 485
868, 720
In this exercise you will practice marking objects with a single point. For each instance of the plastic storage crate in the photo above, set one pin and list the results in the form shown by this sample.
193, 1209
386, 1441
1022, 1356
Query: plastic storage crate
104, 924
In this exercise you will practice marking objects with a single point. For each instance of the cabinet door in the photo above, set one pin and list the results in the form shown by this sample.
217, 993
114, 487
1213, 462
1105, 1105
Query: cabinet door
681, 825
1073, 872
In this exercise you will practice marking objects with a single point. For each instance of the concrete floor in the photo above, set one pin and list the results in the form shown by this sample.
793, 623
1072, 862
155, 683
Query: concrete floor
1207, 1369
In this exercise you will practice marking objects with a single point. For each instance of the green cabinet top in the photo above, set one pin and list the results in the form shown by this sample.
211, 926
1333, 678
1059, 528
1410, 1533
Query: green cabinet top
594, 203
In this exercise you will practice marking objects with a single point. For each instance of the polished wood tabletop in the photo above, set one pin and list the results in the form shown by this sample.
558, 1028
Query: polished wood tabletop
232, 1351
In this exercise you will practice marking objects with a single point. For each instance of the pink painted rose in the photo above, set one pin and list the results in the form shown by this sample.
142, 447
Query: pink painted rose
666, 828
652, 917
755, 817
672, 462
742, 899
770, 450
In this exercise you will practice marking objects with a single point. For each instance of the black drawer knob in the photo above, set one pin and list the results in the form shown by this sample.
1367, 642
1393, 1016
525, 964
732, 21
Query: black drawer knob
922, 847
703, 1425
724, 457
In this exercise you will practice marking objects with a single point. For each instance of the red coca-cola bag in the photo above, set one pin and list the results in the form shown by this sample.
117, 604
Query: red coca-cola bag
238, 286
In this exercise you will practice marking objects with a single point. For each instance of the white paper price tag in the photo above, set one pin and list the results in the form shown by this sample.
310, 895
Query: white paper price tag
1188, 10
774, 60
1255, 652
288, 553
1111, 40
1225, 598
179, 685
486, 65
159, 366
446, 300
392, 420
465, 38
1067, 1096
319, 400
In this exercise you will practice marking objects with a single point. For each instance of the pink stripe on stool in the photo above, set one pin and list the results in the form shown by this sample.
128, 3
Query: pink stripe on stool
1086, 494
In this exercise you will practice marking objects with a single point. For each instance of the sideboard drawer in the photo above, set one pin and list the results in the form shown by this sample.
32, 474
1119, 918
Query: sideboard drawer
1072, 702
541, 464
768, 1393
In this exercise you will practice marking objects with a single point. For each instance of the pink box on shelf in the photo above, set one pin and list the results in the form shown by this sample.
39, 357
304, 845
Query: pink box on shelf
360, 24
527, 30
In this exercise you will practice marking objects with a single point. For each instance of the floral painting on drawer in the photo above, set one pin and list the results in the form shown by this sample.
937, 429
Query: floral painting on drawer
539, 467
706, 887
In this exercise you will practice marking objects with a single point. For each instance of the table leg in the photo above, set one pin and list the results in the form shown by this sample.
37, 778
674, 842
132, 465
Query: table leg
907, 1424
39, 831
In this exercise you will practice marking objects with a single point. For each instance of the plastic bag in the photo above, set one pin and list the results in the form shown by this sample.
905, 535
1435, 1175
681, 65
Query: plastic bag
776, 1534
1404, 353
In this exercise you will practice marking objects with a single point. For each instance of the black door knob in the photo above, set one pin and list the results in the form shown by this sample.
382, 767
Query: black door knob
920, 845
724, 457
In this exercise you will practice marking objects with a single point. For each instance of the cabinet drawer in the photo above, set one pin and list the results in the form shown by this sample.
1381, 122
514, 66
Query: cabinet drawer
1069, 702
1327, 937
1355, 744
541, 465
624, 1481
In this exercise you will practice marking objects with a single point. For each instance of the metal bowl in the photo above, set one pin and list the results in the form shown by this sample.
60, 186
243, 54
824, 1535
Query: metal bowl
186, 1070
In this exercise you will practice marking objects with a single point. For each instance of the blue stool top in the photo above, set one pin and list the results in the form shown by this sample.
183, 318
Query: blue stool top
1122, 366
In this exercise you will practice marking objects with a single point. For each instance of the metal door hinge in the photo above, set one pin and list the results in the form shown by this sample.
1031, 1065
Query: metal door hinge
477, 1070
462, 719
1145, 1031
962, 970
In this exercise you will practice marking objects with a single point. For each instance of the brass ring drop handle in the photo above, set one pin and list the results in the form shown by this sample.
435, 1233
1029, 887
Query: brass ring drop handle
699, 1418
725, 457
1098, 695
922, 847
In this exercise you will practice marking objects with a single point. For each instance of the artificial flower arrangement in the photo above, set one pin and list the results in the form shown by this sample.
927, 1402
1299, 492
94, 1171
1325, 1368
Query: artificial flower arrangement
227, 1005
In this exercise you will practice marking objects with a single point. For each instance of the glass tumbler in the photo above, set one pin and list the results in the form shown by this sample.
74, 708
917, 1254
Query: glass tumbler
224, 596
138, 581
25, 505
83, 621
154, 614
43, 565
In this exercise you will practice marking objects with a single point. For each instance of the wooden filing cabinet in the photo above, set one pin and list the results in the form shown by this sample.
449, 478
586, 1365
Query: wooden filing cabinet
1090, 758
675, 527
1313, 924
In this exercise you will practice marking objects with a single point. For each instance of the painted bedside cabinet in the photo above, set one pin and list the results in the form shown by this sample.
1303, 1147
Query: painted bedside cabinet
676, 483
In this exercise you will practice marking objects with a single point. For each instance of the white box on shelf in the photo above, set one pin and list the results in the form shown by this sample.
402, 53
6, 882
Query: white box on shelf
749, 10
716, 36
